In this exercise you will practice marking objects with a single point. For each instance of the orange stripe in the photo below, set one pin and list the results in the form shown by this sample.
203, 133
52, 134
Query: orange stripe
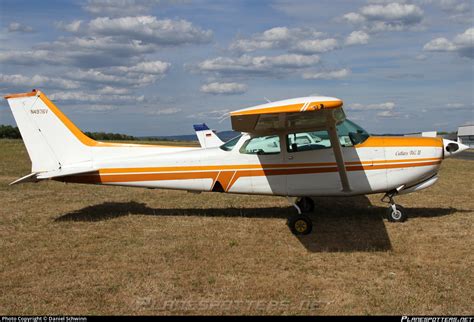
251, 166
32, 93
290, 108
213, 175
387, 141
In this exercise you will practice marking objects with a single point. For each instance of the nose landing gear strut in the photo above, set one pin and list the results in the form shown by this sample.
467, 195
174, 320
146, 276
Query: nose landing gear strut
395, 213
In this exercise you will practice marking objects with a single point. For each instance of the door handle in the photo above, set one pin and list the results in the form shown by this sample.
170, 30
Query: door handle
290, 157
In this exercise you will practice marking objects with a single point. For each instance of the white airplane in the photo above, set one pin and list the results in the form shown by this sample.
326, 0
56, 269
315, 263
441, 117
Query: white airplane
298, 148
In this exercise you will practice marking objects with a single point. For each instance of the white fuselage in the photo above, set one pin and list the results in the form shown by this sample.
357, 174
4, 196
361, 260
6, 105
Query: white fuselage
379, 164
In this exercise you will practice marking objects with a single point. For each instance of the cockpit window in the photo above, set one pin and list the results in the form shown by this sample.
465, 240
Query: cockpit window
351, 134
262, 145
229, 145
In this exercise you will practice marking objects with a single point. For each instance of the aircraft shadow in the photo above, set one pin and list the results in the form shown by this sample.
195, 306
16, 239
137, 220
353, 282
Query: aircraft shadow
349, 224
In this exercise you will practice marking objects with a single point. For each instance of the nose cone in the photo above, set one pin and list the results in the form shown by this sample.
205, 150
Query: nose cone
453, 147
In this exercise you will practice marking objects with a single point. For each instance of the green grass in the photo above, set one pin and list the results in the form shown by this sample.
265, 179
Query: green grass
79, 249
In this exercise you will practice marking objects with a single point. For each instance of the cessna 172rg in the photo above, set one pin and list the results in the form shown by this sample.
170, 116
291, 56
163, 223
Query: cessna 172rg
298, 148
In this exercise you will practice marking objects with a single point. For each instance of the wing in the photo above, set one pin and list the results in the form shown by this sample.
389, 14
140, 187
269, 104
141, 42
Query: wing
300, 114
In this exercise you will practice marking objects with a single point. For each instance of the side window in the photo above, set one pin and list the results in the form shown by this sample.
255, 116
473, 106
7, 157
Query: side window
261, 145
307, 141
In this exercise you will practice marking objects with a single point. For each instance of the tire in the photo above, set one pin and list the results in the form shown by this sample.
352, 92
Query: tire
300, 225
306, 204
400, 215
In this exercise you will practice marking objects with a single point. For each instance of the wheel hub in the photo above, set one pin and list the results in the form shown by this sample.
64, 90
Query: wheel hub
301, 226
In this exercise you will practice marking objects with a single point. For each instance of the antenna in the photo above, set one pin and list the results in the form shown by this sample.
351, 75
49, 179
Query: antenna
268, 101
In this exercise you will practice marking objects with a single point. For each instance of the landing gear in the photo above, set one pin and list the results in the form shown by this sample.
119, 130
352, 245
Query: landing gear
306, 204
301, 224
395, 213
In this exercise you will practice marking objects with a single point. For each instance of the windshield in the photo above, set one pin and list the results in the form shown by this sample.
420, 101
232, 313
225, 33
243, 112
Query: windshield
351, 133
229, 145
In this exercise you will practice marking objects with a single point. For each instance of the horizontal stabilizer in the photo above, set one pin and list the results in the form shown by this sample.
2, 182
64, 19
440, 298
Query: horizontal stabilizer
65, 172
28, 178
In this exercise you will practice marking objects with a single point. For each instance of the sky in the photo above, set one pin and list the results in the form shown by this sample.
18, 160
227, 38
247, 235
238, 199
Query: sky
156, 67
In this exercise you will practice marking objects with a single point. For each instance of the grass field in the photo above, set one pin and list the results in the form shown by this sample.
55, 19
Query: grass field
78, 249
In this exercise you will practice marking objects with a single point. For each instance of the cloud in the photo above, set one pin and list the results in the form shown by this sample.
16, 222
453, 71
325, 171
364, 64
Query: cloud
357, 38
18, 27
258, 65
106, 41
165, 111
386, 17
334, 74
210, 115
387, 106
119, 7
88, 97
224, 88
381, 110
73, 26
463, 44
275, 38
315, 46
148, 67
30, 57
22, 82
141, 74
387, 114
146, 29
113, 90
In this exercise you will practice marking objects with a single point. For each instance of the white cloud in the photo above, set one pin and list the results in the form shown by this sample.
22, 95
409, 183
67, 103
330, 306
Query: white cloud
463, 44
357, 38
73, 26
113, 90
439, 44
88, 97
108, 41
119, 7
263, 65
147, 67
141, 74
386, 17
165, 111
146, 29
278, 37
315, 46
36, 81
224, 88
334, 74
18, 27
387, 114
387, 106
30, 57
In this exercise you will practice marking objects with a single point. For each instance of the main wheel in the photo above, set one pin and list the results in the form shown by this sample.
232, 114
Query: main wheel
300, 225
397, 215
306, 204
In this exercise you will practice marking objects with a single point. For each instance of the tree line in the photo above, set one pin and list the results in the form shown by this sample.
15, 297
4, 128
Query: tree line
12, 132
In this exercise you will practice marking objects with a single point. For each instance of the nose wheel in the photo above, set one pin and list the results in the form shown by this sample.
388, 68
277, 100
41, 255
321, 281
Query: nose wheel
306, 204
395, 213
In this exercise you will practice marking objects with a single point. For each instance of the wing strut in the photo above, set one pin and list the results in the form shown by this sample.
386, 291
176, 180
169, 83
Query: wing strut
336, 146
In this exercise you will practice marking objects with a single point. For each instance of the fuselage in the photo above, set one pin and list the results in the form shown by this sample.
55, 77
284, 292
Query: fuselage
378, 164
